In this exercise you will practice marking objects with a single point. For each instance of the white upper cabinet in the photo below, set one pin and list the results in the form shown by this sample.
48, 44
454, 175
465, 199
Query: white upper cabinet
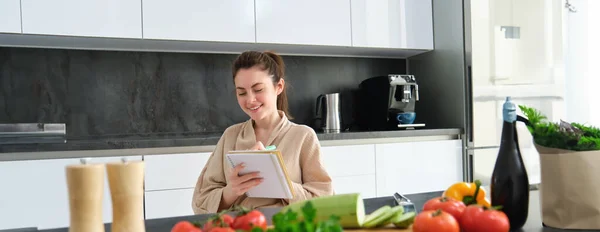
199, 20
10, 16
406, 24
310, 22
93, 18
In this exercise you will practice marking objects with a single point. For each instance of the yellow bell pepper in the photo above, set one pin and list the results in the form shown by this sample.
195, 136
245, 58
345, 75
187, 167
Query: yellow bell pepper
468, 193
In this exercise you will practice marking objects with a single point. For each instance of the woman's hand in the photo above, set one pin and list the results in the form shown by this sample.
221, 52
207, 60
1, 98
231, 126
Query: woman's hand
240, 184
258, 146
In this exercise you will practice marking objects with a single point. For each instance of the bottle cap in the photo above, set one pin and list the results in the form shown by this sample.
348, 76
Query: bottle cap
509, 111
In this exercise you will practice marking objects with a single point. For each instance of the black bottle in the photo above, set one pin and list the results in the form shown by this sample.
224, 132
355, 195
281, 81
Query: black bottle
510, 184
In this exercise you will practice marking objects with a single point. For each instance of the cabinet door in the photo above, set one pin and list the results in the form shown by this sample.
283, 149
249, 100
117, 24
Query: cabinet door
95, 18
363, 184
174, 171
404, 24
352, 168
415, 167
224, 20
169, 203
349, 160
10, 16
311, 22
34, 193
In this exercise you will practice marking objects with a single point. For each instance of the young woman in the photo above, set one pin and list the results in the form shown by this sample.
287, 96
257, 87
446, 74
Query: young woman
260, 90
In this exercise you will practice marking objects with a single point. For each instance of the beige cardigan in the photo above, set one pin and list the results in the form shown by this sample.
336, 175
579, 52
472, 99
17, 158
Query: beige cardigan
301, 153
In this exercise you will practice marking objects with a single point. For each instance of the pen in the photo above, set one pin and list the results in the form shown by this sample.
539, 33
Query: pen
269, 148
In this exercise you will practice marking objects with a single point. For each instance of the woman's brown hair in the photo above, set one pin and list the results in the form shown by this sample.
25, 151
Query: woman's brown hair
266, 61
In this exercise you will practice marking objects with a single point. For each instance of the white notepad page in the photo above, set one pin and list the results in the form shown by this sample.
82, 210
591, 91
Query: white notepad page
275, 183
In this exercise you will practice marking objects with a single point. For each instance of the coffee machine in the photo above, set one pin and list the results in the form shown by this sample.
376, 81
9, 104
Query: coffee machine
388, 102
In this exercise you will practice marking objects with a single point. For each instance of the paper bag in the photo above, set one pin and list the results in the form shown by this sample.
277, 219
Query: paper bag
570, 188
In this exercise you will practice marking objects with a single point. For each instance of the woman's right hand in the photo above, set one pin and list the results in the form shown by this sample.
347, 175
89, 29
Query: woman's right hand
239, 184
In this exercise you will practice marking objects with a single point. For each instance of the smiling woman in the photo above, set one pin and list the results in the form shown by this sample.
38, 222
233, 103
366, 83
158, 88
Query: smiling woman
259, 80
260, 90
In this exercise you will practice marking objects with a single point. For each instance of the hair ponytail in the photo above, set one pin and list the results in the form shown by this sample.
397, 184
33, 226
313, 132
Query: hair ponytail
273, 64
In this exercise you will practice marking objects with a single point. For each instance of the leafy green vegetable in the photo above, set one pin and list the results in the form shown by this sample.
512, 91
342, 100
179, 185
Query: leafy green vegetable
288, 221
562, 135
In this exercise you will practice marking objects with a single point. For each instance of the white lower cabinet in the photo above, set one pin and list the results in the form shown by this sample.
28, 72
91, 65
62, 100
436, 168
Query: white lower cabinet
170, 182
417, 167
33, 193
174, 171
352, 168
169, 203
363, 184
377, 170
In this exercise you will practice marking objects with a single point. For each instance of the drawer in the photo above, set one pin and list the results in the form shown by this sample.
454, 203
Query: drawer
364, 184
169, 203
174, 171
349, 160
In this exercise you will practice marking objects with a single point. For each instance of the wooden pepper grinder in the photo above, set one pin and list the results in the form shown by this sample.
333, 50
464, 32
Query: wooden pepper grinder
126, 181
85, 184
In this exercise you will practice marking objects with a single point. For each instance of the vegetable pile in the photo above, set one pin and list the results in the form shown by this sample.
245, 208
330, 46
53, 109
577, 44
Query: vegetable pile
337, 212
322, 214
462, 207
245, 220
568, 136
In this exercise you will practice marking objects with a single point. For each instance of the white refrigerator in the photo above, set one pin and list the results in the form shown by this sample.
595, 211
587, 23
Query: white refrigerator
516, 50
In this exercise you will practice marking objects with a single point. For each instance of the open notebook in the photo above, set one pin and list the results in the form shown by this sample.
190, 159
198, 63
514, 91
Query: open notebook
276, 183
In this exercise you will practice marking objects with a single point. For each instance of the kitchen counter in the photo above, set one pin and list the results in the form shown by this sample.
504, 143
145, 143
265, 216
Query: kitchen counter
534, 222
194, 142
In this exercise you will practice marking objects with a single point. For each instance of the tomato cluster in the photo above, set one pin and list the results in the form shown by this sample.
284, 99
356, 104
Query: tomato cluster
443, 214
246, 220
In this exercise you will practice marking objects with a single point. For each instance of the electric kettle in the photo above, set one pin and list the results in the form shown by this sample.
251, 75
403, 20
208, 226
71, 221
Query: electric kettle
327, 113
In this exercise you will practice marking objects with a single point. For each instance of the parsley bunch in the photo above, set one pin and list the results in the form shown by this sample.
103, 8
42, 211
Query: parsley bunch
288, 221
563, 135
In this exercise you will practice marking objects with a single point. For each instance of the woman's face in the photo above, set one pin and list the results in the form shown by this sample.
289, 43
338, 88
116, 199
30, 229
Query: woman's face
256, 94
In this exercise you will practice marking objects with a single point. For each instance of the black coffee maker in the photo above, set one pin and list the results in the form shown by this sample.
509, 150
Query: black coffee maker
385, 102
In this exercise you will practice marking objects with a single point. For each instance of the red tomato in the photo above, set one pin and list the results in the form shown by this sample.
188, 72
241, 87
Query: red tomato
224, 220
247, 221
448, 205
185, 226
478, 218
435, 221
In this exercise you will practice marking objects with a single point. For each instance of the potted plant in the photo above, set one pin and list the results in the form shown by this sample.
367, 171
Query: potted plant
570, 171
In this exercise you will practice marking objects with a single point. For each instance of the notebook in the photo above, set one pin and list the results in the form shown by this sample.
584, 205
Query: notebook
276, 182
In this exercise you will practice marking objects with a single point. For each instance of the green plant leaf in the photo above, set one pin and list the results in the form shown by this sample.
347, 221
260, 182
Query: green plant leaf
288, 221
563, 135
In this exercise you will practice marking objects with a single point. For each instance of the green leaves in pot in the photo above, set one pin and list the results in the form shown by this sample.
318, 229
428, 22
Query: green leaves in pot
568, 136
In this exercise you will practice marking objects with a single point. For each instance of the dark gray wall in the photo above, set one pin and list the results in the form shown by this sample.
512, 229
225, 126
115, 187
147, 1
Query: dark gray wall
442, 72
117, 93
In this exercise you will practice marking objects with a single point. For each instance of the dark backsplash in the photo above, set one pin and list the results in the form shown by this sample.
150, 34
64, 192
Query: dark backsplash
111, 93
